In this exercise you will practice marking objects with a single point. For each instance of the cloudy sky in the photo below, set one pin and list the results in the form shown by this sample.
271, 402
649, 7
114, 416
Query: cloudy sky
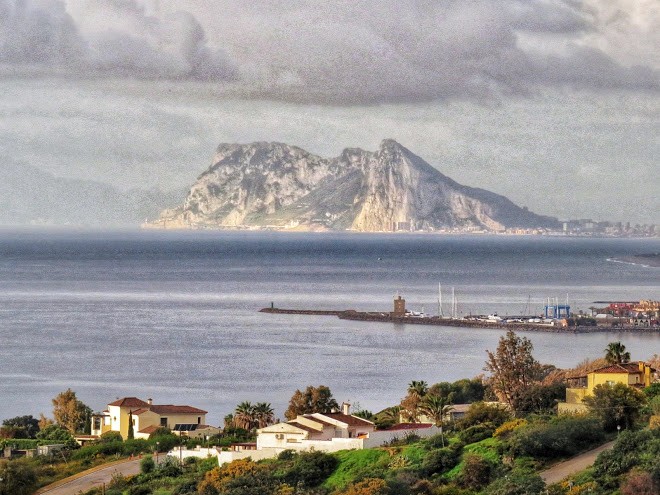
553, 103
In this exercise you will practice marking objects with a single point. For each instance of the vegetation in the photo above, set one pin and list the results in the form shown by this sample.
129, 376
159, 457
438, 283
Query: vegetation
513, 369
616, 353
616, 405
312, 400
70, 413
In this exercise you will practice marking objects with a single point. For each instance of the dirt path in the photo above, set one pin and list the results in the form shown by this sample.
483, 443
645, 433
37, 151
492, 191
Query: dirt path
92, 478
559, 471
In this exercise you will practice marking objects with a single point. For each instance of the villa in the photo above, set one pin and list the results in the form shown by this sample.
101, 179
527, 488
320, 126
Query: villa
636, 374
147, 417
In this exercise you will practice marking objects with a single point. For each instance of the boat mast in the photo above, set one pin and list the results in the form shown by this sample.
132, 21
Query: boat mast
440, 301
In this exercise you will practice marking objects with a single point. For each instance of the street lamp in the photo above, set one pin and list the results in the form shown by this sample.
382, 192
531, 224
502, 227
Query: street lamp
157, 447
618, 430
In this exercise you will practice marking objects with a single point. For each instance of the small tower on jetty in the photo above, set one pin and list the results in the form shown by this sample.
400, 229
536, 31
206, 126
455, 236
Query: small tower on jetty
399, 306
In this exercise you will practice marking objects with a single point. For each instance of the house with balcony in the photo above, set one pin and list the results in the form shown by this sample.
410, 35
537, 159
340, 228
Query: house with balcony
636, 374
146, 417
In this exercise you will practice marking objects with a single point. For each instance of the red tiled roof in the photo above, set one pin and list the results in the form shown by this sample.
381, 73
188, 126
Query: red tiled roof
137, 412
149, 429
171, 409
303, 427
619, 368
349, 419
313, 418
129, 402
410, 426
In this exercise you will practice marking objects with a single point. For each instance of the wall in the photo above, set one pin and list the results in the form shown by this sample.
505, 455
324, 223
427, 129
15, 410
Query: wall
378, 438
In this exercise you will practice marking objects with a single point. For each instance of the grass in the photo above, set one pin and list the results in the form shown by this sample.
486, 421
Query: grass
354, 462
486, 448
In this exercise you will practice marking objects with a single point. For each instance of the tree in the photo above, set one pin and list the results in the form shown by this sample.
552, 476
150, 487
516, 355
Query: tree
244, 416
411, 404
615, 353
312, 400
28, 425
616, 405
263, 414
69, 412
513, 368
131, 431
436, 407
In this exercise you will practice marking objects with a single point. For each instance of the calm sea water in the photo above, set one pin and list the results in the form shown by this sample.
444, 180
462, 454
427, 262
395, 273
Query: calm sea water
174, 316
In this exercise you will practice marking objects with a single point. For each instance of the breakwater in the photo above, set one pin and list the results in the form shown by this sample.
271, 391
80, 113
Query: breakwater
351, 314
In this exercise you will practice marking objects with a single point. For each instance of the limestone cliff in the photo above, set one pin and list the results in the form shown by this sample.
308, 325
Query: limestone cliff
281, 186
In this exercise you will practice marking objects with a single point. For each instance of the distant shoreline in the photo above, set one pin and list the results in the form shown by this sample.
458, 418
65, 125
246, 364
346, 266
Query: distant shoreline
650, 260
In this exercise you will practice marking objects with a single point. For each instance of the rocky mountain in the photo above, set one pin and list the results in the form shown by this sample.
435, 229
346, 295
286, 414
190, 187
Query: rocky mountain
28, 195
281, 186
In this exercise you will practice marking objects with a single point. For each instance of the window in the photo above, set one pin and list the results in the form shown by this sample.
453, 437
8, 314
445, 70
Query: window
163, 422
199, 420
97, 423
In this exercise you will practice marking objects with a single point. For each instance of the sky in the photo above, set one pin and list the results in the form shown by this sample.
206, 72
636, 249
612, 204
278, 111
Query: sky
553, 103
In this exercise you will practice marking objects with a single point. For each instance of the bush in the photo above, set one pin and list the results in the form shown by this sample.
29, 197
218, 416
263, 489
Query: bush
111, 436
481, 412
475, 473
559, 438
287, 455
476, 433
440, 460
147, 465
19, 477
517, 482
311, 469
504, 430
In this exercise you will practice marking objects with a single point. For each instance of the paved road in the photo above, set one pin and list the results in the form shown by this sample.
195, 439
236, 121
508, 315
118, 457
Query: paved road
94, 479
559, 471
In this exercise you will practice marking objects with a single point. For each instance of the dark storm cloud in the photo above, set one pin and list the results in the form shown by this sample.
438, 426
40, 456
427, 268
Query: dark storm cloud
340, 52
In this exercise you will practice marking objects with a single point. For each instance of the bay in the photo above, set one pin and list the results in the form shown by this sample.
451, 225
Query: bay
174, 315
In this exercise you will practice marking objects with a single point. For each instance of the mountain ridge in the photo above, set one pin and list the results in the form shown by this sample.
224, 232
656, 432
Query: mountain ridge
276, 185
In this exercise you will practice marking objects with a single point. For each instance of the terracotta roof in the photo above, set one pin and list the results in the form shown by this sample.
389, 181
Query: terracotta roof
303, 427
129, 402
137, 412
349, 419
619, 368
149, 429
313, 418
171, 409
410, 426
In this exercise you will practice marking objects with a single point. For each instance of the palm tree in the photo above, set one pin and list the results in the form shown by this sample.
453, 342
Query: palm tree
244, 416
420, 388
263, 414
615, 353
437, 407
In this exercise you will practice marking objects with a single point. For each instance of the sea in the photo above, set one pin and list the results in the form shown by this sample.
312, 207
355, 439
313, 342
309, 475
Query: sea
174, 316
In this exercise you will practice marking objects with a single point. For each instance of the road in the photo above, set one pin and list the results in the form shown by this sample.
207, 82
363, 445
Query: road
94, 478
579, 463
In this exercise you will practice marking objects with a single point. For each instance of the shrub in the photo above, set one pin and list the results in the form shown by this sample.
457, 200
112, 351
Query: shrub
287, 455
111, 436
517, 482
18, 477
476, 433
480, 412
369, 486
561, 437
147, 465
311, 468
508, 427
475, 473
440, 460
